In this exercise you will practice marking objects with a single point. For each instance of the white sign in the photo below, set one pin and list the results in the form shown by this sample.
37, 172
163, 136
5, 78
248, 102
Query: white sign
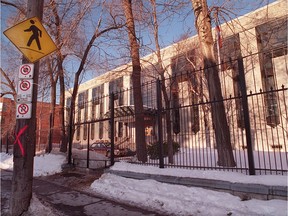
23, 111
26, 71
25, 89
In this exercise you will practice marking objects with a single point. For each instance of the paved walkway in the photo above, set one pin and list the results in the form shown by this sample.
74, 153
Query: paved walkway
68, 201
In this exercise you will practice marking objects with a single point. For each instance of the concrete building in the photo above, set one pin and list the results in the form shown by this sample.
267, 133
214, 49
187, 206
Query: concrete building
259, 38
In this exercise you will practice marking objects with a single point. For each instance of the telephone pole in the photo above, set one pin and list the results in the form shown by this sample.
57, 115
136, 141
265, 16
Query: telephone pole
22, 179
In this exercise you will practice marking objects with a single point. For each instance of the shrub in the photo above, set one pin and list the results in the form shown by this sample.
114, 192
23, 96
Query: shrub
153, 149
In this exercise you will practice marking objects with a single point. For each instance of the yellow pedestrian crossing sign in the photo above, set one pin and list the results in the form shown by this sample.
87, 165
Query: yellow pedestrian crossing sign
31, 38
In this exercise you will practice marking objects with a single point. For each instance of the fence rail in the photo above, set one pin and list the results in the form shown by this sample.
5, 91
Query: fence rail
255, 104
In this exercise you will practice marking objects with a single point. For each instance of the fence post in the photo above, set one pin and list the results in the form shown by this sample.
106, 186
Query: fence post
246, 116
7, 144
88, 145
111, 122
159, 119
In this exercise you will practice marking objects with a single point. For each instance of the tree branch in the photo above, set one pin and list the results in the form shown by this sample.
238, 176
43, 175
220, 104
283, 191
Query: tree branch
15, 6
10, 83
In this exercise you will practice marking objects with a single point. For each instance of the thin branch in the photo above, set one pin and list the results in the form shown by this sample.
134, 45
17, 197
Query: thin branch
15, 6
10, 83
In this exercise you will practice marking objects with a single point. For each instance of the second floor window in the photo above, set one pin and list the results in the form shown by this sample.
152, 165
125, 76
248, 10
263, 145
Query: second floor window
272, 43
97, 93
116, 87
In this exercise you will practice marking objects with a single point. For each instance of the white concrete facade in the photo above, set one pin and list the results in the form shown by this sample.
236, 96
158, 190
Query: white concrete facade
245, 29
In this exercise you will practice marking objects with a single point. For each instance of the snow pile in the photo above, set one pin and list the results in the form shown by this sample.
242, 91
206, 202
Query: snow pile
47, 164
233, 177
6, 161
182, 200
166, 198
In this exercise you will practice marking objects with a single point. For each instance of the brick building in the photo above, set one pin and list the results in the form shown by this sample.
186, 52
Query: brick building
8, 120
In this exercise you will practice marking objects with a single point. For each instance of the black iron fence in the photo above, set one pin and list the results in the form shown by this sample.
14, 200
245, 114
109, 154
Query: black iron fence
179, 126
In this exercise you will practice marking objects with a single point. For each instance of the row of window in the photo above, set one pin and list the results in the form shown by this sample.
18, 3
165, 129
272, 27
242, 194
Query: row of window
188, 88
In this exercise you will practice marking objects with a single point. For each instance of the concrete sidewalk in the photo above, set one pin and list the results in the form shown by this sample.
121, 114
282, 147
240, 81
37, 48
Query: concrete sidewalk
67, 200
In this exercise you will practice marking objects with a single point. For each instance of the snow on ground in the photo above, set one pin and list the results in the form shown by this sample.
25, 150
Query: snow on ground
204, 174
38, 208
182, 200
167, 198
47, 164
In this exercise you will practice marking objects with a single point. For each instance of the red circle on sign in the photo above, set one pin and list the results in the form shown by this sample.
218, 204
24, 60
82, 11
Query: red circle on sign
23, 109
25, 69
25, 85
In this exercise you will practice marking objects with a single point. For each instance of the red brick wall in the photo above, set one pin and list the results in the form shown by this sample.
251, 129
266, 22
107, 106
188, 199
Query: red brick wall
9, 116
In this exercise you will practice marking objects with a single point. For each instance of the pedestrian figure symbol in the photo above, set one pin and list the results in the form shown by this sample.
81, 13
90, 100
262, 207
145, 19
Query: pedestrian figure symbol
36, 33
31, 38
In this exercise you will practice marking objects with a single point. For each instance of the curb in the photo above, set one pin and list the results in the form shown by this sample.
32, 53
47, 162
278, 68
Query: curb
244, 191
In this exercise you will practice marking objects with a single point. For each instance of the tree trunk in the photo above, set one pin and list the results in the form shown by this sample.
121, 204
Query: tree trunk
51, 115
64, 141
163, 86
71, 116
222, 133
141, 149
22, 179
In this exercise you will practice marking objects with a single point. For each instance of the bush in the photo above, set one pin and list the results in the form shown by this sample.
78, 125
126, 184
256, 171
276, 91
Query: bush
153, 149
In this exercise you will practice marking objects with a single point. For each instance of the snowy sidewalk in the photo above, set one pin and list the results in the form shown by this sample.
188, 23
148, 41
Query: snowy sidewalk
73, 202
57, 200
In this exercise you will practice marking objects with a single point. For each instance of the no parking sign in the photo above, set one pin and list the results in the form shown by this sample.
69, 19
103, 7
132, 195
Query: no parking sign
23, 111
26, 71
25, 89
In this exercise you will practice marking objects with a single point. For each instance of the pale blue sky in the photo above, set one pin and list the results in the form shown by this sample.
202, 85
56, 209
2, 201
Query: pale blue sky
170, 30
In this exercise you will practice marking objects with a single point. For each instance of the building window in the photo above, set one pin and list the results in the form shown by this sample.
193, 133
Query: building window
131, 93
229, 52
97, 94
82, 102
101, 124
101, 129
78, 127
271, 41
116, 87
185, 89
97, 110
81, 99
175, 106
68, 108
149, 94
93, 131
120, 129
85, 128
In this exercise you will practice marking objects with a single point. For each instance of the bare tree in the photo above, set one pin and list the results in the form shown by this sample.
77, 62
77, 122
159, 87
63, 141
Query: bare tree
141, 149
161, 73
10, 87
64, 30
222, 133
97, 33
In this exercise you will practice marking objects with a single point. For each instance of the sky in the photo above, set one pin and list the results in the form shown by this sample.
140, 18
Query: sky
170, 29
165, 198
